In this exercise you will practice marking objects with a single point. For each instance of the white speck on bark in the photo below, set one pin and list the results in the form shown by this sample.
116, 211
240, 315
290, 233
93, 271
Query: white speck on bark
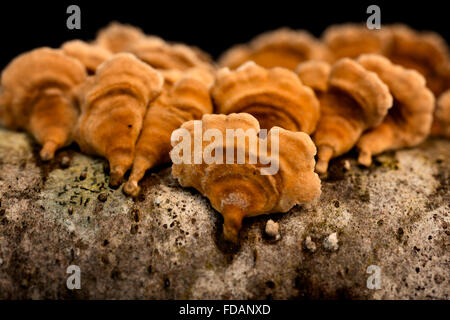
331, 242
273, 229
157, 200
347, 165
310, 245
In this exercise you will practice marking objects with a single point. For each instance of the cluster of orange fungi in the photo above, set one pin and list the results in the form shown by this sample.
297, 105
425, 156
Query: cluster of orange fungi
122, 95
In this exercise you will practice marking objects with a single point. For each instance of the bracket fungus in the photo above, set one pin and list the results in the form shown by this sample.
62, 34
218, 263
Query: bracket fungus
279, 48
117, 36
163, 55
90, 55
276, 97
113, 110
240, 189
409, 121
426, 52
351, 101
185, 97
37, 96
441, 121
314, 74
351, 40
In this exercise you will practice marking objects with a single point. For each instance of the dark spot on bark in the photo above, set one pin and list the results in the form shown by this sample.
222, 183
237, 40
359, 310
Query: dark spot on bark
106, 167
65, 162
166, 283
104, 259
136, 216
116, 274
134, 229
102, 197
365, 196
400, 233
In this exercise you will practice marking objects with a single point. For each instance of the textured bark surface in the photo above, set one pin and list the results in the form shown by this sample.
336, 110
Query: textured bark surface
167, 243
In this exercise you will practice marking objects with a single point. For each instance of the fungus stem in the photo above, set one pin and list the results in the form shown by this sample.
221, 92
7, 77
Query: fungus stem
324, 155
365, 158
140, 166
233, 216
48, 150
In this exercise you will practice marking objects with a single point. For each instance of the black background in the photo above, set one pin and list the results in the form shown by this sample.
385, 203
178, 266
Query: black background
214, 25
285, 310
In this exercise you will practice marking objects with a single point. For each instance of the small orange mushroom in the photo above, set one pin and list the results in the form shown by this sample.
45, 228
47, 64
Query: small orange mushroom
409, 121
163, 55
441, 121
426, 52
276, 97
351, 40
185, 97
239, 190
351, 101
117, 36
38, 97
90, 55
279, 48
113, 110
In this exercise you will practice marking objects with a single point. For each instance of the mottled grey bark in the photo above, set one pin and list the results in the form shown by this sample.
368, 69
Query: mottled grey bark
167, 243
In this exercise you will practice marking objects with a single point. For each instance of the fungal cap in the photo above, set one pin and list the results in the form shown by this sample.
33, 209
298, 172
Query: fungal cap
31, 74
350, 40
90, 55
240, 190
115, 106
6, 119
41, 67
411, 117
426, 52
205, 76
171, 76
117, 36
407, 87
314, 74
276, 97
355, 101
185, 97
426, 45
123, 69
366, 88
441, 124
38, 96
163, 55
278, 48
191, 92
